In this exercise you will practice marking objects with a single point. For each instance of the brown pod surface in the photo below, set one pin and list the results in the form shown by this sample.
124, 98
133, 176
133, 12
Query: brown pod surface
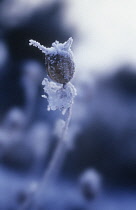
60, 68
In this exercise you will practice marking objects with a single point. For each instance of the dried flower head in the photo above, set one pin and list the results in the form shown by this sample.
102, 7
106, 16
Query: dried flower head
58, 60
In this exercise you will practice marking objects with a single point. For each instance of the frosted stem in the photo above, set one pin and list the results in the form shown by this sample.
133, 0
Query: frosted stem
60, 153
55, 165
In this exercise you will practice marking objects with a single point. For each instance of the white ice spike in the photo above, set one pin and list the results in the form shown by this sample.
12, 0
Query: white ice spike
38, 45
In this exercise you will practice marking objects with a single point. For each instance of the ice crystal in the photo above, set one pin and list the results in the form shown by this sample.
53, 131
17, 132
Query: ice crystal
58, 96
61, 48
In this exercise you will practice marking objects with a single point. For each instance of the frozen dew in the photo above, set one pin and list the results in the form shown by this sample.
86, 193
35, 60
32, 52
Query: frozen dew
58, 97
56, 47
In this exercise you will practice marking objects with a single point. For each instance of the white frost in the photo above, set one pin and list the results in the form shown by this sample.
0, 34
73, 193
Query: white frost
61, 48
58, 97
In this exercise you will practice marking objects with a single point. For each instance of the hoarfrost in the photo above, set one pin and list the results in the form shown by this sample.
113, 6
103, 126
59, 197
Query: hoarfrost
61, 48
58, 96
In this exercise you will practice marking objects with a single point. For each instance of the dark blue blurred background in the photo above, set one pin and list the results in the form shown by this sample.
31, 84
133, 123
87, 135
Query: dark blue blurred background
103, 126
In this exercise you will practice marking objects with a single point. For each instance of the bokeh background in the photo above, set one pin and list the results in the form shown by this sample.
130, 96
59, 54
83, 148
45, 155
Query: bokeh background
101, 158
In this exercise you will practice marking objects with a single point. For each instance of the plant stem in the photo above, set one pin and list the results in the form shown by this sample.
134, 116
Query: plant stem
60, 153
54, 166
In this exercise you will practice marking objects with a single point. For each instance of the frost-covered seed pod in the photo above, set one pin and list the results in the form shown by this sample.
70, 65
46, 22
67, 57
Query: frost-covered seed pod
60, 68
58, 60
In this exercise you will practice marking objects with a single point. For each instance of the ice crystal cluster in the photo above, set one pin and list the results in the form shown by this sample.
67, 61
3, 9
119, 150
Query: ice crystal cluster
60, 68
58, 97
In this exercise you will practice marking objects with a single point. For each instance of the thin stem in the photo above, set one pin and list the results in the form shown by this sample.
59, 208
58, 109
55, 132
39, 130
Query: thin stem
55, 165
60, 153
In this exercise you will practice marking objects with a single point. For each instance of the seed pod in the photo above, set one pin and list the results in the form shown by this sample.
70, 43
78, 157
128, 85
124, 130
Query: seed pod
60, 68
58, 60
